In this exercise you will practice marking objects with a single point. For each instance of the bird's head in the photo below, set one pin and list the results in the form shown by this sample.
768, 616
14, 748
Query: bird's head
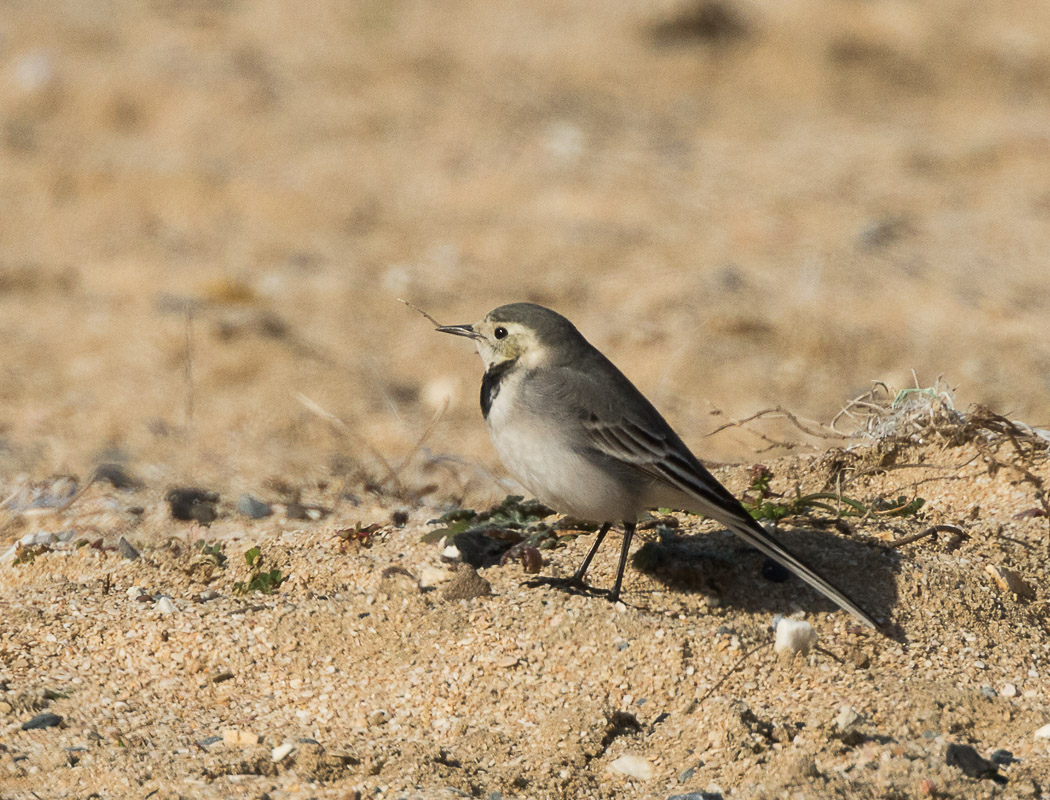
525, 333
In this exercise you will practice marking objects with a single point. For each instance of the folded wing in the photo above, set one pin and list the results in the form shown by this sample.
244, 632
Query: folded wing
657, 452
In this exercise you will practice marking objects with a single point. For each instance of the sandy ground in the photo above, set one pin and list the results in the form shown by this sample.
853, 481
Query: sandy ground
378, 668
207, 212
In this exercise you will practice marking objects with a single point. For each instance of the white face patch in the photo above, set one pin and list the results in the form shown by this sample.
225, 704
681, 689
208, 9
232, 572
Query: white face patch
516, 342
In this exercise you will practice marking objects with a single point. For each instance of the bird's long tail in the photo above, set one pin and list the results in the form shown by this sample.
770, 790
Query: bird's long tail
744, 525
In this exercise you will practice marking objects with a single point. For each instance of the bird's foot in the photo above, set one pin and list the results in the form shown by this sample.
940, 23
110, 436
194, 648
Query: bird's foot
570, 585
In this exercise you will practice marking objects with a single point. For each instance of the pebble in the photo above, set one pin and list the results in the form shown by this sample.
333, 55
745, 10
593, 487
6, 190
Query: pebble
207, 594
1043, 732
433, 576
165, 606
235, 737
1009, 690
253, 508
135, 592
281, 752
450, 553
36, 539
847, 718
45, 720
126, 549
117, 476
209, 741
192, 504
794, 636
397, 581
378, 717
1009, 582
1003, 758
35, 71
466, 584
633, 766
697, 796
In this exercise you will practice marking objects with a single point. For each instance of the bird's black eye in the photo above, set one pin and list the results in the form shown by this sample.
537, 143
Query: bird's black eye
500, 333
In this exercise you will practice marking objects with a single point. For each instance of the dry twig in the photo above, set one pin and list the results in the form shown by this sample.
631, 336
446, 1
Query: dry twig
731, 670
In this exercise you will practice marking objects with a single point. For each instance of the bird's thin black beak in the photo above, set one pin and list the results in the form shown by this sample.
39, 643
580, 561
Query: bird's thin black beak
460, 330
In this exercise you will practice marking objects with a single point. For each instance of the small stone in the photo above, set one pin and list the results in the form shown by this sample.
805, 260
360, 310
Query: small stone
135, 592
1009, 582
398, 582
687, 775
466, 584
377, 718
117, 476
35, 71
794, 636
1043, 732
126, 549
860, 659
235, 737
433, 576
209, 741
633, 766
1009, 690
803, 768
207, 594
281, 752
45, 720
296, 510
928, 788
253, 508
450, 553
847, 718
192, 504
165, 606
35, 539
1003, 758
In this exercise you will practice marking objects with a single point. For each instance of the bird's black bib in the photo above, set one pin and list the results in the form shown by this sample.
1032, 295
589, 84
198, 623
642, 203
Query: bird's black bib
490, 384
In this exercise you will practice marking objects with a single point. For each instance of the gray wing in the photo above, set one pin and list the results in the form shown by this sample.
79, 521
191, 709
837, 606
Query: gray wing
625, 427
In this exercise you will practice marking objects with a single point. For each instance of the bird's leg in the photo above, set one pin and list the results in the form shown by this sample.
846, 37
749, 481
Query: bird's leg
575, 582
625, 550
581, 571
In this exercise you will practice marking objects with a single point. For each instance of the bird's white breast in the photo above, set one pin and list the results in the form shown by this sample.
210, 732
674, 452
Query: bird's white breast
541, 455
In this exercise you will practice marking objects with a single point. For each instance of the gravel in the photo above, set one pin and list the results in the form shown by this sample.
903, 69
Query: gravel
352, 678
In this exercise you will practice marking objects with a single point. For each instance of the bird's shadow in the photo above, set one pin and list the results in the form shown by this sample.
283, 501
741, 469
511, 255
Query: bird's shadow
721, 566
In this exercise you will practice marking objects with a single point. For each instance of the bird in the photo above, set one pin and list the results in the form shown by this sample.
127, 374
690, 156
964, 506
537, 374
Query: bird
578, 434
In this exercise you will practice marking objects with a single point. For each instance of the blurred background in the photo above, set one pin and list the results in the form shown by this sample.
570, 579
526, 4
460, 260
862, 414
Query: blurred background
209, 207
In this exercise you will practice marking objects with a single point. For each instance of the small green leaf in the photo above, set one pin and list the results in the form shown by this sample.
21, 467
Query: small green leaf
251, 555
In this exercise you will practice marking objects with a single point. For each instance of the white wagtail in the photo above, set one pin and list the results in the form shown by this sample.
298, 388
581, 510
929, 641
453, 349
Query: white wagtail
578, 435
